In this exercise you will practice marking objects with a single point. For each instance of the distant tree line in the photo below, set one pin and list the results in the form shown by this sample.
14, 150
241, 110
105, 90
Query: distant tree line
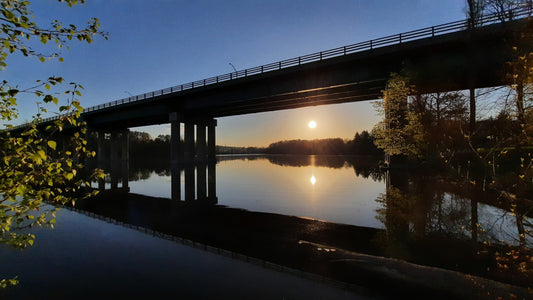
239, 150
143, 146
362, 144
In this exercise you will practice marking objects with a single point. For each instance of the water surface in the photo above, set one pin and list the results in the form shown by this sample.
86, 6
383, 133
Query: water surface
271, 208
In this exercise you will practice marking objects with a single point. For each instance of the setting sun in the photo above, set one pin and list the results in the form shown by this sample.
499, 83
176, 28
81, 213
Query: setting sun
312, 124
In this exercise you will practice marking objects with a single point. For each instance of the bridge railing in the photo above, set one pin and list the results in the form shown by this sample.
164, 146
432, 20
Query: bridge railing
432, 31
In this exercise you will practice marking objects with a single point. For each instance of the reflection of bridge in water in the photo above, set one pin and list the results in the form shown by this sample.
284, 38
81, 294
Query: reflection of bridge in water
291, 243
199, 180
413, 222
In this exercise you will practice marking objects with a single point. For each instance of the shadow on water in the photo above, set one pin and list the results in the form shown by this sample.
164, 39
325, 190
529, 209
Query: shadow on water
426, 222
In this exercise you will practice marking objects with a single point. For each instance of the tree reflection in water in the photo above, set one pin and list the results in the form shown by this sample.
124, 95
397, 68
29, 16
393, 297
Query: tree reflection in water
426, 212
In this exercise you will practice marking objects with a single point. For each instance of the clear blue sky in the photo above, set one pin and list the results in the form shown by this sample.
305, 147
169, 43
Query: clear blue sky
161, 43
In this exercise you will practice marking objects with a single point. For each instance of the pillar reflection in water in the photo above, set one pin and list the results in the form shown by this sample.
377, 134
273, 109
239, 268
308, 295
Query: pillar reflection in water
196, 158
212, 177
189, 182
201, 187
113, 158
199, 182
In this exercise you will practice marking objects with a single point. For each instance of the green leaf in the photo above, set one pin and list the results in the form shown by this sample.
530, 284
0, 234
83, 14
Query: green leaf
41, 59
44, 39
52, 144
8, 14
42, 154
48, 98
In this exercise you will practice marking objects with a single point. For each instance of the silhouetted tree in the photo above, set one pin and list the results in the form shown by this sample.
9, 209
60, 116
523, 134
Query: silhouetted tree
363, 144
474, 12
504, 8
319, 146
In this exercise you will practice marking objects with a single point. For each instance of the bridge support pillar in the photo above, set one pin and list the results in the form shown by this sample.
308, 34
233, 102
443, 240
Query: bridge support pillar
125, 158
114, 159
175, 139
189, 142
201, 144
211, 142
101, 157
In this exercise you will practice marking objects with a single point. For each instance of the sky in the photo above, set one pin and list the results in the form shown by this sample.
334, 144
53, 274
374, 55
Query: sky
161, 43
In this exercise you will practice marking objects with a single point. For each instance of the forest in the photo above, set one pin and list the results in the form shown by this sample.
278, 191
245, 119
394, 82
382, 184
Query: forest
143, 146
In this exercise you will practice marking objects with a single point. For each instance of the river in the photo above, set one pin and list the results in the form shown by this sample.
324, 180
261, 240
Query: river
268, 227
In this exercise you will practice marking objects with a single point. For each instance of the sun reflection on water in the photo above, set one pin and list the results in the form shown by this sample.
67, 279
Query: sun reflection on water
313, 180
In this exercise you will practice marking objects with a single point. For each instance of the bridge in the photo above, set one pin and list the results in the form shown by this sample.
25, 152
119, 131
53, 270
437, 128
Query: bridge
451, 56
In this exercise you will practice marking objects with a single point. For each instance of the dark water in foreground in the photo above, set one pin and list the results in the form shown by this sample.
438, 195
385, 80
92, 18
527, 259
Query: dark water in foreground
304, 214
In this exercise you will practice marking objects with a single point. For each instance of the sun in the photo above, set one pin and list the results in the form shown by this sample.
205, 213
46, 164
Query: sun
312, 124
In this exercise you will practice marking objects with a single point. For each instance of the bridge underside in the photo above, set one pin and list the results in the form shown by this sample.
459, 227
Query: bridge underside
454, 61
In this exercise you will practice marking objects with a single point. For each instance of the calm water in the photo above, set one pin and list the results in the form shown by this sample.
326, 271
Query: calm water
86, 256
337, 189
318, 187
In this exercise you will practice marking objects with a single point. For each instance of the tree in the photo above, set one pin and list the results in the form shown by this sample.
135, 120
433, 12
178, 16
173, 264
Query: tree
400, 132
363, 144
40, 163
138, 136
423, 126
504, 8
474, 12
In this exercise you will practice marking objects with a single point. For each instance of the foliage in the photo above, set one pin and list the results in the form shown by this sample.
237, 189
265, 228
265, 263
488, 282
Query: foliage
18, 29
496, 156
4, 283
400, 132
41, 163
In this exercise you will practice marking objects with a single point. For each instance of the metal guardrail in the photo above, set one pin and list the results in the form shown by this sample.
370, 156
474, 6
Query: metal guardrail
395, 39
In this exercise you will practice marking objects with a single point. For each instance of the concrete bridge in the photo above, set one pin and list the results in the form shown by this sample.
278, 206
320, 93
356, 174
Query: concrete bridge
439, 58
446, 57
